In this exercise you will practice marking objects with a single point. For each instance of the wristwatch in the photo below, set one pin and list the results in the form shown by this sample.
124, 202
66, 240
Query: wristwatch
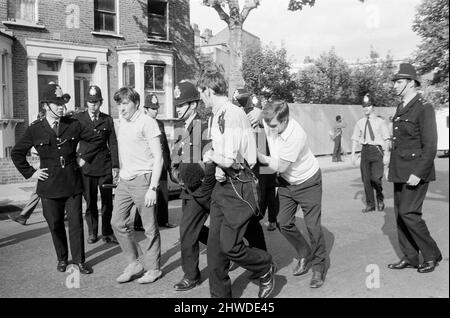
153, 188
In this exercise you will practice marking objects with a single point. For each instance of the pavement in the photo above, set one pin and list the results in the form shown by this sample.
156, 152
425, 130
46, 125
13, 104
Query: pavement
359, 246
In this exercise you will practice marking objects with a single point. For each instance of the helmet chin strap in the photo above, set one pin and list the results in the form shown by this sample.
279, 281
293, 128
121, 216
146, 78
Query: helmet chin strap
400, 94
54, 112
187, 109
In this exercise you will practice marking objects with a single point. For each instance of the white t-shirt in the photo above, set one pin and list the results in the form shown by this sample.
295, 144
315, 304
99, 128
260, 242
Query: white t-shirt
134, 148
292, 146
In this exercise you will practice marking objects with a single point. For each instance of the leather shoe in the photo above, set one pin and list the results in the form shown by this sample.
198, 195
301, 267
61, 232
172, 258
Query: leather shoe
368, 209
302, 267
186, 284
84, 269
19, 219
110, 239
92, 239
402, 264
380, 206
429, 266
267, 282
168, 225
316, 280
62, 266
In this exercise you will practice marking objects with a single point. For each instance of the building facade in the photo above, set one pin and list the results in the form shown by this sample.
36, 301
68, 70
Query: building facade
147, 44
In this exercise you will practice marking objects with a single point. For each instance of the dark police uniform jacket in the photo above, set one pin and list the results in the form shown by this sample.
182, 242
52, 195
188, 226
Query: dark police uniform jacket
414, 142
191, 144
57, 154
107, 156
164, 147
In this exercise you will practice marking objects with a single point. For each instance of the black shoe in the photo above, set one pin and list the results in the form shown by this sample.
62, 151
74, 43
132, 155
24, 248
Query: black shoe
62, 266
139, 229
92, 239
429, 266
380, 206
402, 264
368, 209
302, 267
186, 284
316, 280
110, 239
19, 219
169, 225
267, 282
84, 269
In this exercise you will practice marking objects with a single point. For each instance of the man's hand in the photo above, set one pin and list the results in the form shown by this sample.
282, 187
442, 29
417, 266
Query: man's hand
41, 174
115, 173
208, 156
413, 180
220, 175
262, 159
81, 162
254, 116
150, 198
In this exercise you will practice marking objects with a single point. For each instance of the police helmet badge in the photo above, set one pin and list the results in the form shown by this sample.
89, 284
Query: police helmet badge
177, 92
92, 91
255, 100
236, 94
154, 100
58, 91
221, 123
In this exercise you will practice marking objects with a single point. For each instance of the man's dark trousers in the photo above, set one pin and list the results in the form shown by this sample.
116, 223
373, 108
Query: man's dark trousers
91, 185
53, 211
229, 220
413, 234
268, 201
372, 173
337, 148
308, 196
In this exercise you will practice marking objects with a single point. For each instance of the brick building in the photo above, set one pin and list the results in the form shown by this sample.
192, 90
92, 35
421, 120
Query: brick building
148, 44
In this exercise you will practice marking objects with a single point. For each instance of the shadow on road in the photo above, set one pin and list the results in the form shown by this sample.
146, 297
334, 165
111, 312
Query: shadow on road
23, 236
389, 229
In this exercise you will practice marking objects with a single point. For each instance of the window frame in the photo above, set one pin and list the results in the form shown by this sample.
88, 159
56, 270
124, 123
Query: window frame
167, 11
21, 20
116, 17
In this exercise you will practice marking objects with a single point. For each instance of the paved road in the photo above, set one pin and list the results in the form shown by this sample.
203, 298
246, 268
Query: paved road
360, 245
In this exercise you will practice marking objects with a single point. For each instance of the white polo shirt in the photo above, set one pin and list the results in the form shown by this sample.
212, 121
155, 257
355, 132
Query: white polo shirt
133, 138
232, 135
292, 146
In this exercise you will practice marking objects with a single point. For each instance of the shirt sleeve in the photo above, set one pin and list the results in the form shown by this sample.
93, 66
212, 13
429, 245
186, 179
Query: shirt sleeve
384, 130
150, 129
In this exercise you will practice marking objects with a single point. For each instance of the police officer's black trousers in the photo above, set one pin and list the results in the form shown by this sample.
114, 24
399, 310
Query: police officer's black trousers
372, 173
413, 234
268, 199
229, 220
162, 203
308, 196
53, 210
91, 185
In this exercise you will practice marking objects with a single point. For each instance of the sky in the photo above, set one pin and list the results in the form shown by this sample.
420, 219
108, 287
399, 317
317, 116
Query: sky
351, 27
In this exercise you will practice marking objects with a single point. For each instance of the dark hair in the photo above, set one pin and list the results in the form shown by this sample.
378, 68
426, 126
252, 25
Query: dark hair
128, 93
276, 108
213, 79
338, 117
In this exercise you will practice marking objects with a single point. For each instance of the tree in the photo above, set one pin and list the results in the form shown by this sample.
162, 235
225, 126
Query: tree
266, 72
230, 12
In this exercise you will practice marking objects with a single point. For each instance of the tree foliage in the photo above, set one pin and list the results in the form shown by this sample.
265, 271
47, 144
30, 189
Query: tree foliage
266, 72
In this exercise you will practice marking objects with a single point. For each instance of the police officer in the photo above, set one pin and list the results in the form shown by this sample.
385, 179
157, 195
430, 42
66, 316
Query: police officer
103, 168
60, 184
151, 106
234, 199
198, 181
372, 133
411, 169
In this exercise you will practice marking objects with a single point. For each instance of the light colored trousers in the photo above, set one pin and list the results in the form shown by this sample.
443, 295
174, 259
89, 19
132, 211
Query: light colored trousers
131, 192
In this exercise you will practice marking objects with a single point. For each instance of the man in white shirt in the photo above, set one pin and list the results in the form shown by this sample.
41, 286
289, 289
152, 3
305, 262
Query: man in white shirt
141, 165
300, 184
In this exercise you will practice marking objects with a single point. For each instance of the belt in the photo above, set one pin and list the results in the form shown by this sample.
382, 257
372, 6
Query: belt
367, 145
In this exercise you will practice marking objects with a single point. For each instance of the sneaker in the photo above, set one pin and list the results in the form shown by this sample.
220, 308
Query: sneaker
150, 277
131, 272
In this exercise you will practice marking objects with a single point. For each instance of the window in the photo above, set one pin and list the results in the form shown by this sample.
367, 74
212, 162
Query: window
128, 74
158, 19
22, 10
105, 15
4, 98
154, 82
48, 71
83, 79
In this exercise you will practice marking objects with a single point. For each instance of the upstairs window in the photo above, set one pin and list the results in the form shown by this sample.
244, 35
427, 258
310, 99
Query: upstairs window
105, 16
22, 10
158, 19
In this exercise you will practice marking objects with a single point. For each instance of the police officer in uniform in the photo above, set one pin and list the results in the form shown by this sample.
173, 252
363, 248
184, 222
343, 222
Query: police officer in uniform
60, 184
151, 106
197, 180
103, 168
411, 169
234, 199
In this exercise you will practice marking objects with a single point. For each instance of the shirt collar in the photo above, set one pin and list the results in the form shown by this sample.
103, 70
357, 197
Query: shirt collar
51, 121
135, 115
288, 131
